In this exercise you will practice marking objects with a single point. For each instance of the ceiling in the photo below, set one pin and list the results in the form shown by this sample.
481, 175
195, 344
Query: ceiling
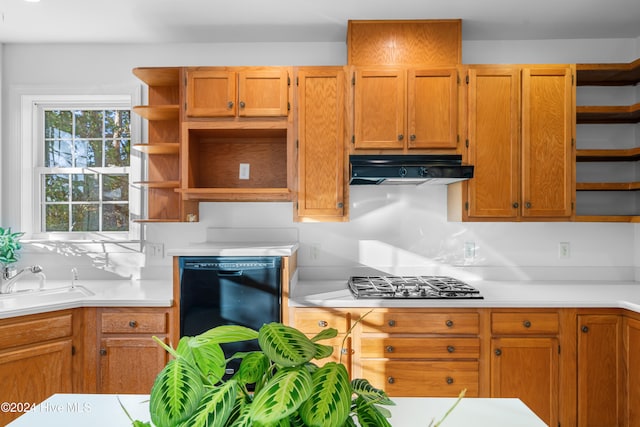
166, 21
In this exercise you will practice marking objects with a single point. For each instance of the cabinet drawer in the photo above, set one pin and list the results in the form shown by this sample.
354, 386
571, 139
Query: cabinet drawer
421, 348
134, 322
24, 332
313, 321
421, 379
421, 323
524, 323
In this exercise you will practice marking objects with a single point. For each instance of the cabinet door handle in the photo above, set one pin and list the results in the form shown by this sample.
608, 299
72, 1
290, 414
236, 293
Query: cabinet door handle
389, 349
497, 352
391, 380
449, 380
400, 137
230, 104
133, 323
391, 323
515, 205
527, 205
526, 324
241, 104
585, 329
449, 323
412, 137
323, 323
344, 351
451, 349
103, 352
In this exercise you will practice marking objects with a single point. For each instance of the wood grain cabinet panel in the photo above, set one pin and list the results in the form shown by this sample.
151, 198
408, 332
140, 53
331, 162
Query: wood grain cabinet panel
421, 348
315, 320
632, 364
403, 321
525, 323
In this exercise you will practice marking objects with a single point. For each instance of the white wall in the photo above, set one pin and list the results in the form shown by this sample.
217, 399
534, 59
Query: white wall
392, 229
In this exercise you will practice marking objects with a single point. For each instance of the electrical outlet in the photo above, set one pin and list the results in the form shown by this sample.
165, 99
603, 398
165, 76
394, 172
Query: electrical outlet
244, 170
469, 250
154, 250
564, 250
314, 251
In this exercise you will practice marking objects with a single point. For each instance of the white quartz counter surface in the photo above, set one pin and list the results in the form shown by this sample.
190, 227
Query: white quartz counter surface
96, 410
57, 295
334, 293
235, 249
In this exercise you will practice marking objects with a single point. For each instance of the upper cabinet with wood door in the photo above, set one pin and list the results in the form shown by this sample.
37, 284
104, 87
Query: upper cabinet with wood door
405, 108
237, 92
520, 124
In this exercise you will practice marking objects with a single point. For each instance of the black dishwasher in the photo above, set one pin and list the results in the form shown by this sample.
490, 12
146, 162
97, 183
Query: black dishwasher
223, 290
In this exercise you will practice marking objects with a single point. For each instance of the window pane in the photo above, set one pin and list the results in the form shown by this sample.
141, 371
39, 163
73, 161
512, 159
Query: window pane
85, 218
57, 153
115, 187
57, 218
89, 124
57, 124
88, 153
56, 187
115, 217
117, 152
117, 124
85, 187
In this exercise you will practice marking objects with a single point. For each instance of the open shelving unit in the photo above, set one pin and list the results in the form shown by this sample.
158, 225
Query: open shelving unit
608, 201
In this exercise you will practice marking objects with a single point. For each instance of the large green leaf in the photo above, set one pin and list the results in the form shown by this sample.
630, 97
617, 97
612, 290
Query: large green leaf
252, 368
240, 415
330, 400
281, 396
225, 334
285, 345
215, 406
210, 360
369, 393
175, 394
325, 334
322, 351
368, 414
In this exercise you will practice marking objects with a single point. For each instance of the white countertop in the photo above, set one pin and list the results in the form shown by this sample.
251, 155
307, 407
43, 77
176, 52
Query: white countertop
334, 293
101, 293
102, 410
235, 249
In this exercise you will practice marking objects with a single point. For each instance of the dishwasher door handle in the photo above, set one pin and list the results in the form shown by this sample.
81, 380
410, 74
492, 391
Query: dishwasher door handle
229, 273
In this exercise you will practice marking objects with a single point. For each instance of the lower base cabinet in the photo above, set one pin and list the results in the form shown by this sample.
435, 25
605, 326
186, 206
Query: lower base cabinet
36, 358
631, 342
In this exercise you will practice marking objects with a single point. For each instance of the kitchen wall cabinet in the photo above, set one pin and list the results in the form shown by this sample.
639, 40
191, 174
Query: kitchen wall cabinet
520, 141
419, 353
600, 372
321, 111
162, 114
130, 359
402, 109
36, 358
237, 92
525, 360
606, 183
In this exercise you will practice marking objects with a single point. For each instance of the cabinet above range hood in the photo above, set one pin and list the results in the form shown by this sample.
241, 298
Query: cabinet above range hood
402, 169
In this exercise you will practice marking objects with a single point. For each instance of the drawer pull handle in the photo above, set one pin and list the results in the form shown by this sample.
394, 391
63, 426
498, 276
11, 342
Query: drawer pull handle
449, 380
391, 380
526, 324
585, 329
344, 351
389, 349
451, 349
133, 323
449, 323
103, 352
323, 323
230, 104
391, 323
498, 352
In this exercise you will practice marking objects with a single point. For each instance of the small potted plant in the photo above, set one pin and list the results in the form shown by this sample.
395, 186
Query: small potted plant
288, 389
9, 246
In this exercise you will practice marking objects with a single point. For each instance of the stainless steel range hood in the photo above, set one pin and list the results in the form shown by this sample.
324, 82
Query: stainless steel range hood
398, 169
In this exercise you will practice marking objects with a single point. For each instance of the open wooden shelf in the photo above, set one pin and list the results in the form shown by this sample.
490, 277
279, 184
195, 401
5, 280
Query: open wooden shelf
607, 186
614, 74
608, 155
158, 112
237, 194
158, 184
165, 76
158, 148
606, 114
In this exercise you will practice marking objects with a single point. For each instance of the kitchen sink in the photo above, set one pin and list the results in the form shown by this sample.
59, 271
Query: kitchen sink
35, 297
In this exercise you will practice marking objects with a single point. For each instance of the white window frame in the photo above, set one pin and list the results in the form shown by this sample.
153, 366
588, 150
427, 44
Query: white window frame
32, 158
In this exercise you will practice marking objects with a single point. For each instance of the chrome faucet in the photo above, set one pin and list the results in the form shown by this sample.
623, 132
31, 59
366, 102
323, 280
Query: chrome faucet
10, 276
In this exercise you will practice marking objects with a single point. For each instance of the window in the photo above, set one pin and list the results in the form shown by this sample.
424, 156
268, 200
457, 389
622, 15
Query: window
85, 176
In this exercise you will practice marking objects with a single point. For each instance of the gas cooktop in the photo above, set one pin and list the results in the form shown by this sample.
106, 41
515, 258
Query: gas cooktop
426, 287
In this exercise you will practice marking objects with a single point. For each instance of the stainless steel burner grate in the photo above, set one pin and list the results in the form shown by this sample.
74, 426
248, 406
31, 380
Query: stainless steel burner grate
435, 287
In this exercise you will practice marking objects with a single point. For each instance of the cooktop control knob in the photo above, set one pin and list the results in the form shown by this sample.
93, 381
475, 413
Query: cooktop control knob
402, 171
423, 171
